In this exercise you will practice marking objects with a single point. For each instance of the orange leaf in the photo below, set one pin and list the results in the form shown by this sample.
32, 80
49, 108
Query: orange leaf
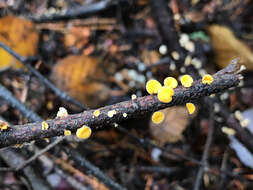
20, 35
228, 47
82, 77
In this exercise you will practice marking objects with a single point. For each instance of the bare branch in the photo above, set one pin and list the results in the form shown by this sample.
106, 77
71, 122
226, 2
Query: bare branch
226, 78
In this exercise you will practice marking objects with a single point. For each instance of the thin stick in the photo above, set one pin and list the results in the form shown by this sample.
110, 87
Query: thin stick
94, 170
224, 79
8, 97
38, 154
206, 151
51, 86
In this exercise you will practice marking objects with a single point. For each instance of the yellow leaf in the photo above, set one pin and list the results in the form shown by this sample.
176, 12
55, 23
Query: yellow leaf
83, 78
227, 47
20, 35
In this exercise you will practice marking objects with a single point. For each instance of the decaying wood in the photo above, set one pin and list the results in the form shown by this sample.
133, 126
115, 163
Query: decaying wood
223, 80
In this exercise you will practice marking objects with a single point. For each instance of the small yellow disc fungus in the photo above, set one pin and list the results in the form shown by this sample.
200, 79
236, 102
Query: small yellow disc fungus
3, 126
228, 131
62, 112
170, 82
67, 132
238, 115
96, 113
152, 86
190, 107
111, 113
158, 117
124, 114
165, 94
84, 132
175, 55
245, 122
186, 80
207, 79
133, 97
44, 125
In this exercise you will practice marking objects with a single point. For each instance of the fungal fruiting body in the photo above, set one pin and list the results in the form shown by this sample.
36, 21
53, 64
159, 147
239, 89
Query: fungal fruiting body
245, 122
3, 126
158, 117
190, 107
165, 94
96, 113
84, 132
62, 112
133, 97
67, 132
228, 131
44, 126
175, 55
170, 82
186, 80
207, 79
153, 86
111, 113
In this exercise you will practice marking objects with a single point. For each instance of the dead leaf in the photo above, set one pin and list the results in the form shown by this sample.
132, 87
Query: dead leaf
20, 35
170, 130
82, 77
77, 36
227, 47
150, 57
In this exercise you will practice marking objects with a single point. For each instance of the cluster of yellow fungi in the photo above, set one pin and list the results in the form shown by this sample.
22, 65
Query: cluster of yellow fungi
165, 93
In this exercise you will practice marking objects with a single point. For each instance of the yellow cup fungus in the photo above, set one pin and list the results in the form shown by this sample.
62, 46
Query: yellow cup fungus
3, 126
207, 79
170, 82
84, 132
44, 125
133, 97
96, 113
158, 117
67, 132
165, 94
186, 80
152, 86
190, 107
111, 113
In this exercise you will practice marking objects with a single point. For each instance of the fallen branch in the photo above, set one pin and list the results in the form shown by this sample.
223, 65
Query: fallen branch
223, 80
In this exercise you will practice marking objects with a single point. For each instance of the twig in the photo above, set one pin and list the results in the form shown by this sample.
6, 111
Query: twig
51, 86
13, 159
74, 13
148, 143
223, 167
38, 154
206, 150
242, 133
71, 180
226, 78
8, 97
158, 169
94, 170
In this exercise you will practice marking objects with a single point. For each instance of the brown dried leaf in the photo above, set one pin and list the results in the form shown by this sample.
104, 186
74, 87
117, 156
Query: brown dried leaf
227, 47
170, 130
77, 36
20, 35
82, 77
